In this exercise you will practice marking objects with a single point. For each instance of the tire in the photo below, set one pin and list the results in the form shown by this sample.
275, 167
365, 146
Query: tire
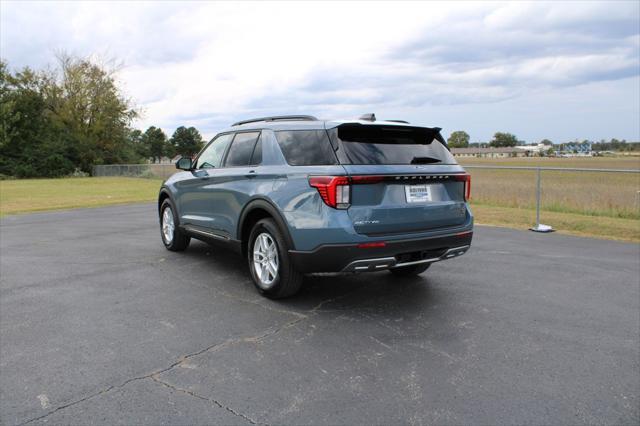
267, 252
176, 239
407, 271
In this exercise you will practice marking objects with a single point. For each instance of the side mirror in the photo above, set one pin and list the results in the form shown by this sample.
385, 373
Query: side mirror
184, 163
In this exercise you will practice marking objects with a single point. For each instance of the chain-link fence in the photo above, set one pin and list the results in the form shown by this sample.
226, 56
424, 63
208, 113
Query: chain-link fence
151, 171
584, 191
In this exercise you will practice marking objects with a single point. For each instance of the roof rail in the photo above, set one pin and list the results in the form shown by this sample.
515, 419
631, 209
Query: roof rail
398, 121
277, 118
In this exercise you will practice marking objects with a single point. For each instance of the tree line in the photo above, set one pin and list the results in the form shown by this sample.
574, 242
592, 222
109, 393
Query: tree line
66, 119
461, 139
154, 145
615, 145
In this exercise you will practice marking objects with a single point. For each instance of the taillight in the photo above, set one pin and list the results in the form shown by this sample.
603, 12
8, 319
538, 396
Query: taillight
334, 190
466, 178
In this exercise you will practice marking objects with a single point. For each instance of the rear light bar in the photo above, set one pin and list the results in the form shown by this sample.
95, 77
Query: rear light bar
335, 191
369, 179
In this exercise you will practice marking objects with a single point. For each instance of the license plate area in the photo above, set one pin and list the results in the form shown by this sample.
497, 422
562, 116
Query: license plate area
418, 193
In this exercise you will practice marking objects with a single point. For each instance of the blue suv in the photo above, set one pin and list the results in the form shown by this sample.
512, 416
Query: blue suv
297, 195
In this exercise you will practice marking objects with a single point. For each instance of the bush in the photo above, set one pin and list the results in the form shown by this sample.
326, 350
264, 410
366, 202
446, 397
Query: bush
79, 173
148, 174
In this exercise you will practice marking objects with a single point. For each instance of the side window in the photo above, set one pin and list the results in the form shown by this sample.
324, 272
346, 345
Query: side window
256, 158
212, 155
306, 147
241, 149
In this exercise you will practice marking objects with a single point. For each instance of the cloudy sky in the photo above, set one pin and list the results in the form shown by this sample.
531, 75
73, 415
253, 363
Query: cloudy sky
539, 70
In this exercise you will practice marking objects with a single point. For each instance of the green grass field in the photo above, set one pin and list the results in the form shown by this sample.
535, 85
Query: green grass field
32, 195
603, 205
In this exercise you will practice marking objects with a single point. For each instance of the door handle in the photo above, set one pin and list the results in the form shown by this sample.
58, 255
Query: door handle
251, 174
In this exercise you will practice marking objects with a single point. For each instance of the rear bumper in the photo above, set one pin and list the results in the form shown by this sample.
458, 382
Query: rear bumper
397, 253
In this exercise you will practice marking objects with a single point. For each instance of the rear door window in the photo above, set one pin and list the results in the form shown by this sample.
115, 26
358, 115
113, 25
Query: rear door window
390, 145
256, 158
241, 149
306, 147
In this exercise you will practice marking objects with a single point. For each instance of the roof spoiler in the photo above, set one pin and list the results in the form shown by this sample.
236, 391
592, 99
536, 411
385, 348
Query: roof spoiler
358, 131
440, 139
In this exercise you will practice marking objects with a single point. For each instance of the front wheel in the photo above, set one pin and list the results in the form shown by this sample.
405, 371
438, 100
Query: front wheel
268, 254
405, 271
173, 237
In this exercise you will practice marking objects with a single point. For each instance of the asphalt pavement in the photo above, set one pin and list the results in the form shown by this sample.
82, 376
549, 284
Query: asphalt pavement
99, 324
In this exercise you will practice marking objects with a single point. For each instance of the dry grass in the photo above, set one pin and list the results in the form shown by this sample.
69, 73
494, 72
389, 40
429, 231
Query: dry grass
564, 223
615, 195
626, 162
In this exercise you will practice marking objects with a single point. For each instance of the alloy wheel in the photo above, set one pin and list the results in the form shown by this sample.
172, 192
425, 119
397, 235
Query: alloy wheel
265, 260
168, 226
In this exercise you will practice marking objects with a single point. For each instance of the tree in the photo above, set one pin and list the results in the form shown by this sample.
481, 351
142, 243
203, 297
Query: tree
70, 117
546, 142
137, 144
458, 139
89, 105
30, 146
186, 142
503, 140
156, 142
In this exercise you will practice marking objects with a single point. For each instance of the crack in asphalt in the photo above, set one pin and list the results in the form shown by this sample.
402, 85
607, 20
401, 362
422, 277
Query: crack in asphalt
70, 404
204, 398
215, 347
269, 332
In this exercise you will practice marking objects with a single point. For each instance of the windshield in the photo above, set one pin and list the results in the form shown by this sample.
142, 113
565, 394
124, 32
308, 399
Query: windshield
392, 145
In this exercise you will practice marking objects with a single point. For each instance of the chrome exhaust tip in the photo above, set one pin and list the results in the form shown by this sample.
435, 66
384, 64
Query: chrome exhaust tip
379, 264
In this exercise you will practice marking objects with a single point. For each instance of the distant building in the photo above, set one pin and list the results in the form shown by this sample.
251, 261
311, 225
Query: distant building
577, 148
533, 150
489, 152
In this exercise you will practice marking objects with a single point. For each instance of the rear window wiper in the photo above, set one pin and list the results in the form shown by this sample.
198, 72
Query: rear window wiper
424, 160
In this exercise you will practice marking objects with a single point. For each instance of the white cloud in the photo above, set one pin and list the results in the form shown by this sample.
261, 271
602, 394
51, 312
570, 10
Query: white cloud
208, 64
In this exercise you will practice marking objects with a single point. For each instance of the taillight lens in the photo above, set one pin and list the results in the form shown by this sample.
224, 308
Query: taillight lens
334, 190
466, 178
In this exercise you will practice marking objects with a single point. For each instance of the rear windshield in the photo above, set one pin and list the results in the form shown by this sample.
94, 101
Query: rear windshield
306, 147
370, 144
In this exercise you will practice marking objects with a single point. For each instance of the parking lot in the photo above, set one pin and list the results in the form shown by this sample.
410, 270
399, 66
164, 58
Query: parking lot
101, 325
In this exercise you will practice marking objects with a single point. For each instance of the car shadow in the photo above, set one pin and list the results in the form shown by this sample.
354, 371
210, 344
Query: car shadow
375, 292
